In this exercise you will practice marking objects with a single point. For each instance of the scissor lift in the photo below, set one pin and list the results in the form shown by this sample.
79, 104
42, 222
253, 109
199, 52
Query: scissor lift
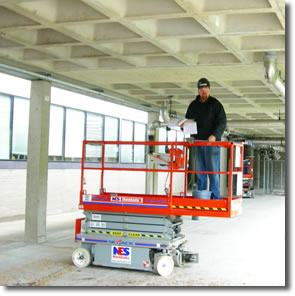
143, 231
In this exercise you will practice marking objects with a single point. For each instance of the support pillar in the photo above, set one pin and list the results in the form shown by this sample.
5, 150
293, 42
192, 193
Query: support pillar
257, 170
37, 163
151, 181
264, 175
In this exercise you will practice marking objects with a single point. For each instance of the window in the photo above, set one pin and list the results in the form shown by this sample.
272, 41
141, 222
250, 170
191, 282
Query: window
56, 127
94, 132
68, 126
139, 135
95, 105
111, 133
126, 135
4, 126
8, 85
162, 138
179, 138
171, 136
20, 128
74, 134
94, 127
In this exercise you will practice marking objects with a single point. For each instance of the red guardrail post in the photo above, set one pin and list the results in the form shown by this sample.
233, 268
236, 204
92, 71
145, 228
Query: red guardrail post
82, 170
102, 168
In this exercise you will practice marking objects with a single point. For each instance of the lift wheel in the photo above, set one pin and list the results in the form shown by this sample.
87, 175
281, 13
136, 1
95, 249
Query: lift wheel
164, 265
81, 257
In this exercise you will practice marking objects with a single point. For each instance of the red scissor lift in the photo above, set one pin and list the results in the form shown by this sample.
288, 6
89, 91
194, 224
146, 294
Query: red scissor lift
105, 205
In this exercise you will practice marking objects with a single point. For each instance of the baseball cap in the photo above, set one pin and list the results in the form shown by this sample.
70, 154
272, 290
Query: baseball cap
203, 82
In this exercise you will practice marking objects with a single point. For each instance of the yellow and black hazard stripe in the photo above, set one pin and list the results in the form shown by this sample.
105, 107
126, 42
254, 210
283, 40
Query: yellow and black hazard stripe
199, 208
152, 235
129, 234
115, 233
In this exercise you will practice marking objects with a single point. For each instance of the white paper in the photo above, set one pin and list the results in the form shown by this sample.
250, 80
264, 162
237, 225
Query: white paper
190, 127
173, 122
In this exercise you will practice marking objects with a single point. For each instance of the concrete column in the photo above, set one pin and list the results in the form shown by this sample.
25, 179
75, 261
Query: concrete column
37, 163
267, 177
264, 175
257, 170
282, 175
150, 178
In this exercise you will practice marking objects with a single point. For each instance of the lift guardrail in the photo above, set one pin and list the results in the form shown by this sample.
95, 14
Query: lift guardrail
164, 204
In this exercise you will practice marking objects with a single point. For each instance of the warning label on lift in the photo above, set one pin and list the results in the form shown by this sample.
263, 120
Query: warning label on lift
86, 197
127, 199
121, 254
96, 217
98, 224
129, 234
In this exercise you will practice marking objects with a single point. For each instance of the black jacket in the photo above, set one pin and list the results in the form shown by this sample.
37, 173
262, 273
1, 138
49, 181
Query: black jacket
210, 118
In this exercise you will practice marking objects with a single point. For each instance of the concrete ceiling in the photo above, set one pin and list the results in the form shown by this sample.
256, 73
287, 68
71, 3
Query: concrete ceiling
145, 51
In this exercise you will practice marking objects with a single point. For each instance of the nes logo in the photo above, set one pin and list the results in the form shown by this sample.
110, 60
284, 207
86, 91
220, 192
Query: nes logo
115, 198
121, 254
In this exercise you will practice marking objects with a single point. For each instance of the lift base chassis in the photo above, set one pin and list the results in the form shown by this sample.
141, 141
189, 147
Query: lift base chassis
132, 241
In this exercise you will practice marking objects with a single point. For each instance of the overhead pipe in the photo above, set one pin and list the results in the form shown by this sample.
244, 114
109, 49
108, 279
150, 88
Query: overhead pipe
164, 113
271, 72
255, 123
156, 124
263, 152
273, 154
164, 118
272, 142
152, 178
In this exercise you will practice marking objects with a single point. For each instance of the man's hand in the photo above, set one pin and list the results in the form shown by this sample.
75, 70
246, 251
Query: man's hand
182, 125
211, 138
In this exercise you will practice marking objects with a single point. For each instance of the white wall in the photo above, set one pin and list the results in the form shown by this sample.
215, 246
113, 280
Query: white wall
12, 192
63, 191
64, 188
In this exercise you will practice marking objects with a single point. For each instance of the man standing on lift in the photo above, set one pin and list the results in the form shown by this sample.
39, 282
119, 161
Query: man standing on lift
210, 117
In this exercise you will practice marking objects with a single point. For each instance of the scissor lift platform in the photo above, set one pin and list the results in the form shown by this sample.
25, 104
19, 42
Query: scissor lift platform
143, 231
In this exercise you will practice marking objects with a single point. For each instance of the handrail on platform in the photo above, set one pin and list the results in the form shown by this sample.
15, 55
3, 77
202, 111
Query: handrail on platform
168, 204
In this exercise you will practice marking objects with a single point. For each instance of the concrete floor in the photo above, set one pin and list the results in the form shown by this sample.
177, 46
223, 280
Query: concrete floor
245, 251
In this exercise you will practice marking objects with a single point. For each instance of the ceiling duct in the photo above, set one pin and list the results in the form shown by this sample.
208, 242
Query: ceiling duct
263, 152
163, 121
270, 153
273, 154
164, 114
271, 73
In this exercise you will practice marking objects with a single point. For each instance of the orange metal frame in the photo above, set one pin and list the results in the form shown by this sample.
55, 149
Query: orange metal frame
249, 175
169, 204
